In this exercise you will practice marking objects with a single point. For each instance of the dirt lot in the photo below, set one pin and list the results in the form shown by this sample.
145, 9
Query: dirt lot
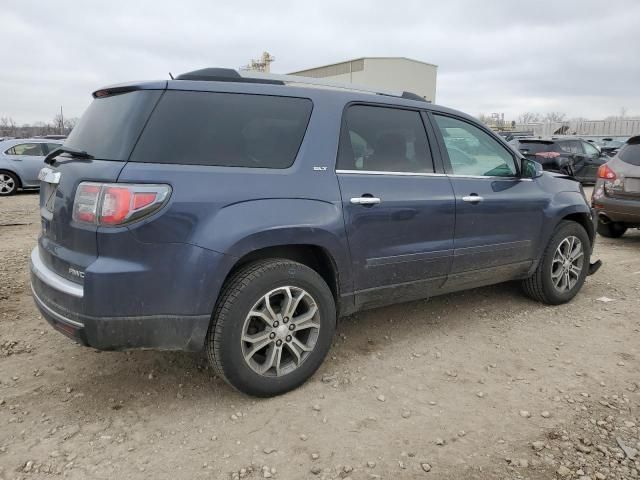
483, 384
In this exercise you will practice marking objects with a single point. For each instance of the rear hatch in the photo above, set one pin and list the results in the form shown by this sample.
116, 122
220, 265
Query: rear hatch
107, 131
628, 169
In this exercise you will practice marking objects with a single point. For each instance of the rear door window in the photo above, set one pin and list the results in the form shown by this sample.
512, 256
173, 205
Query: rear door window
224, 129
384, 139
571, 146
26, 149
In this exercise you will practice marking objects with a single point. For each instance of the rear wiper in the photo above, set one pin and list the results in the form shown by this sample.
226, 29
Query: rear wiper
74, 152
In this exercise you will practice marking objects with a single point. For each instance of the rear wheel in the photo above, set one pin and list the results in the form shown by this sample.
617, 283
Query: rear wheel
8, 184
611, 229
272, 327
563, 267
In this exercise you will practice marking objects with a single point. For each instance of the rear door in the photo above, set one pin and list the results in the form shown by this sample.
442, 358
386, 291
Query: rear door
399, 211
498, 214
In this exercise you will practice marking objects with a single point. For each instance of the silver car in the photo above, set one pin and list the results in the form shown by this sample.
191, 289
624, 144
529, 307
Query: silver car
20, 162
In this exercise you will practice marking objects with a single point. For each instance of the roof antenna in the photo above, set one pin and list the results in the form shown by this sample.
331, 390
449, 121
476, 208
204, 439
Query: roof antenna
171, 76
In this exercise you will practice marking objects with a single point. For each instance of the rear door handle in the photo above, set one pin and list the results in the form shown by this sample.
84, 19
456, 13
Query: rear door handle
473, 198
365, 200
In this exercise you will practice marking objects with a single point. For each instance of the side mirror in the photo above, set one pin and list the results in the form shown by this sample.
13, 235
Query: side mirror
530, 168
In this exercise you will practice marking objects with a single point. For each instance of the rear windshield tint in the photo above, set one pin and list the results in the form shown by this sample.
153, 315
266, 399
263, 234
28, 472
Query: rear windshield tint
535, 147
630, 154
224, 129
109, 128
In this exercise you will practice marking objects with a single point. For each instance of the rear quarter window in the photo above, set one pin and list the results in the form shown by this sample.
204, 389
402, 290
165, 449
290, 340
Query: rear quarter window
224, 129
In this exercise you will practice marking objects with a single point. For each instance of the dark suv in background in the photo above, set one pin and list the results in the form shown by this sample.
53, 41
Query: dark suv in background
242, 214
571, 155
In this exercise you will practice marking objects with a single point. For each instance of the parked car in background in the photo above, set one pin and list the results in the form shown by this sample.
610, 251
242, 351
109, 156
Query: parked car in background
609, 146
616, 196
573, 156
241, 214
21, 161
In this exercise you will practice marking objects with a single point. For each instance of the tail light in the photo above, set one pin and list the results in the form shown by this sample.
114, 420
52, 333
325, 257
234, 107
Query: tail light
548, 154
605, 172
114, 204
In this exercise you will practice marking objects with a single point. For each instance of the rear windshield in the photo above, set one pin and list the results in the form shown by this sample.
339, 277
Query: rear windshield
109, 128
535, 147
630, 153
224, 129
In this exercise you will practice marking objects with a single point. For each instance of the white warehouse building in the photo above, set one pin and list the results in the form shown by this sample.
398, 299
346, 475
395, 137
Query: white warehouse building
388, 73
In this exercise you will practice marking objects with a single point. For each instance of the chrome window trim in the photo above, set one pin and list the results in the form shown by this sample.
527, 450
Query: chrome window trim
399, 174
422, 174
51, 278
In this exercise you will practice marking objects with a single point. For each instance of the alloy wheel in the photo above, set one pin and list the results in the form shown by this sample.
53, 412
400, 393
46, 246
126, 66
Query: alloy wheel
567, 265
280, 331
7, 184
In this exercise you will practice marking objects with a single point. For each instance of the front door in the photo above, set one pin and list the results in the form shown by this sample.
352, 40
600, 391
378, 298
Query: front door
498, 214
399, 213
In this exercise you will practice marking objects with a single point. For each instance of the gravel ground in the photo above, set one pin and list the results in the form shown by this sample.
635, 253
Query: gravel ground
481, 384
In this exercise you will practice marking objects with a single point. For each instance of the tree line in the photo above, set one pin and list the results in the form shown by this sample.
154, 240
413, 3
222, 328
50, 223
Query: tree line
58, 126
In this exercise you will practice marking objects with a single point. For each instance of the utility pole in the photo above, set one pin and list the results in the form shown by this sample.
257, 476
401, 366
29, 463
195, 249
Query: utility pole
61, 121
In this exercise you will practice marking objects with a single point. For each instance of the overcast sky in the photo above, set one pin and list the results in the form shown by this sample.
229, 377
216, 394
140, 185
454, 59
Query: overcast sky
577, 57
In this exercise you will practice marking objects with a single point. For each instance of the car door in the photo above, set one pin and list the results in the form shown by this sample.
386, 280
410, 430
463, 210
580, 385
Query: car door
593, 158
28, 159
399, 211
498, 214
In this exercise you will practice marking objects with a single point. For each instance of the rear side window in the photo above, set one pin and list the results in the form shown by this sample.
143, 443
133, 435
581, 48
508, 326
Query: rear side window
571, 146
26, 149
109, 128
224, 129
385, 140
630, 154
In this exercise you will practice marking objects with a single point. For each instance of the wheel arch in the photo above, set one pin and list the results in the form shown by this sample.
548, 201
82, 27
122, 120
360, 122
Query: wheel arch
314, 256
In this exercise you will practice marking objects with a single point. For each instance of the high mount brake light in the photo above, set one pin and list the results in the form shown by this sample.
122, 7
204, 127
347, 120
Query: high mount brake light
548, 154
605, 172
114, 204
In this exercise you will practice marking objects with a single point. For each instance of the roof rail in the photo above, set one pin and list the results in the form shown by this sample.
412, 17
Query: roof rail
248, 76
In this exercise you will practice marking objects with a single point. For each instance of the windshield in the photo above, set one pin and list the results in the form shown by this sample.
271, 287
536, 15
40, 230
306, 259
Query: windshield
110, 127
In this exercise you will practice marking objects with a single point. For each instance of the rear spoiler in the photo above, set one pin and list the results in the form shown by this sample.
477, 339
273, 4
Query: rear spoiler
129, 87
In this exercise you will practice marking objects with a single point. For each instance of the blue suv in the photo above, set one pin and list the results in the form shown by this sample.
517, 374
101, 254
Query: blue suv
243, 213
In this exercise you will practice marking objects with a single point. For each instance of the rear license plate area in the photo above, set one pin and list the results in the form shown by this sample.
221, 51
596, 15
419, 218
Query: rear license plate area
632, 185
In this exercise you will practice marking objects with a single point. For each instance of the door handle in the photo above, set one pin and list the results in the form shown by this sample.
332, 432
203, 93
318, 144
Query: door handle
365, 200
473, 198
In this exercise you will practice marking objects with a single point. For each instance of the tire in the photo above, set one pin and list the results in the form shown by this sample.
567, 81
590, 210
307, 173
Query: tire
611, 229
9, 184
541, 286
231, 324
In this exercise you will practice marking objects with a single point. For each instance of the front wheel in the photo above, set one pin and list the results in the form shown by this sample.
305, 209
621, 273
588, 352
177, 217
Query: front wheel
272, 327
563, 268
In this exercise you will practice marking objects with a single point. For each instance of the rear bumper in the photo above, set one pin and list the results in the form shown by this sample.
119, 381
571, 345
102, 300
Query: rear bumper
63, 304
618, 209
